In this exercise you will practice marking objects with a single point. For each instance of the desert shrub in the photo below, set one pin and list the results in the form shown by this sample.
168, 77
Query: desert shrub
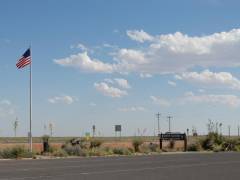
237, 148
212, 140
107, 150
74, 150
230, 145
52, 149
207, 143
121, 151
16, 152
144, 149
131, 150
196, 146
153, 147
82, 142
59, 153
217, 148
95, 143
137, 142
97, 152
216, 138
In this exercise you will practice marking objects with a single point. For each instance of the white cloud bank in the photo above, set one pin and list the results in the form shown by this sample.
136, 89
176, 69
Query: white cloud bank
211, 79
160, 101
226, 99
132, 109
65, 99
165, 53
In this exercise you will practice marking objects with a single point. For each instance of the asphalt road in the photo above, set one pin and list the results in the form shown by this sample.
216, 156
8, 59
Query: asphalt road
208, 166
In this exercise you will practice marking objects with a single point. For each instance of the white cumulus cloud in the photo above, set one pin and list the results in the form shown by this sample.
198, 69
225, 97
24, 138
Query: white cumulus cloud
225, 99
145, 75
171, 83
108, 90
85, 63
123, 83
80, 46
131, 56
7, 109
65, 99
160, 101
140, 36
132, 109
208, 78
165, 53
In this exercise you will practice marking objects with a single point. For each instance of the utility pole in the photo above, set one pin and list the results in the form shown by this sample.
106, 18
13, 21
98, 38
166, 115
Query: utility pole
238, 130
169, 123
45, 129
220, 127
158, 118
15, 126
51, 129
229, 130
187, 132
93, 130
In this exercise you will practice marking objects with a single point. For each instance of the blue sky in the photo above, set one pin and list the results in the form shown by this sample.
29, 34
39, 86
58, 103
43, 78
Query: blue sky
120, 62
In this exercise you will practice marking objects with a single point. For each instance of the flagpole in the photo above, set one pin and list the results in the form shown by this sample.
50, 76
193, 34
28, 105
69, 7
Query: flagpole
30, 105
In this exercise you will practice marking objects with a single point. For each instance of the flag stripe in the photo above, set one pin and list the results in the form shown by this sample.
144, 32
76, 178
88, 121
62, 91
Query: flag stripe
24, 60
23, 64
21, 61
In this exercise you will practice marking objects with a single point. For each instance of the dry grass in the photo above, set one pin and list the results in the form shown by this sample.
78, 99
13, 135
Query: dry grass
111, 142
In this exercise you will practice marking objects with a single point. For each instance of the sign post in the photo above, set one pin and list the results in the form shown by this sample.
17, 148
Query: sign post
118, 128
173, 136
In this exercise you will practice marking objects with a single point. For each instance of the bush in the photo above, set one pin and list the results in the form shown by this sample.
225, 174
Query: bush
136, 143
15, 152
144, 149
121, 151
97, 152
153, 147
52, 149
59, 153
95, 143
231, 145
194, 146
217, 148
207, 143
74, 150
211, 141
82, 142
108, 150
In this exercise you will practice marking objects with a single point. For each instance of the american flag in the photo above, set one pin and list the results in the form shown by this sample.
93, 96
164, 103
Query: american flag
24, 60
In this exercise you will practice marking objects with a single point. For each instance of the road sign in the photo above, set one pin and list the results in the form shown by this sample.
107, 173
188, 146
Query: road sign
118, 128
169, 136
173, 136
